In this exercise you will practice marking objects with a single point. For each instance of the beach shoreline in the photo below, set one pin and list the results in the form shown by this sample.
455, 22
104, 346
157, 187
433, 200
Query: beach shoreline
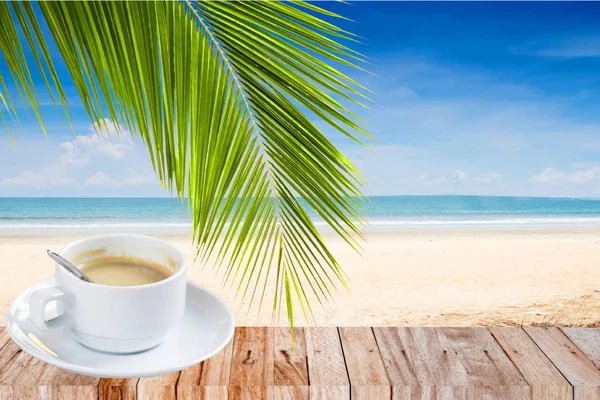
404, 277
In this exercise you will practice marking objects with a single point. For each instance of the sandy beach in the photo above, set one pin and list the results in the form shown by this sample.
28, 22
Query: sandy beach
416, 278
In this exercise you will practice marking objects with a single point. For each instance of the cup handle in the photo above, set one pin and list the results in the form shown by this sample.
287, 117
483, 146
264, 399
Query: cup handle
37, 309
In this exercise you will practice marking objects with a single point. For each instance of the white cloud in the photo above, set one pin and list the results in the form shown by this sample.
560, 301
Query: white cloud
111, 143
456, 177
459, 175
132, 179
551, 175
471, 119
487, 178
52, 176
425, 180
568, 48
113, 147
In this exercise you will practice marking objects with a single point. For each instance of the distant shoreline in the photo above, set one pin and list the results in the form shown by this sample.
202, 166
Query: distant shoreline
372, 196
371, 233
383, 213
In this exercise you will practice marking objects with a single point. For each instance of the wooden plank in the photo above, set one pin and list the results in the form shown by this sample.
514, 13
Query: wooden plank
289, 364
8, 353
53, 376
433, 393
188, 385
326, 367
586, 392
570, 361
66, 385
22, 376
4, 338
48, 392
368, 377
489, 371
329, 392
421, 364
216, 371
23, 370
208, 380
73, 392
397, 363
7, 392
545, 380
567, 357
158, 387
587, 340
395, 359
117, 389
28, 377
252, 362
291, 392
250, 393
290, 367
431, 357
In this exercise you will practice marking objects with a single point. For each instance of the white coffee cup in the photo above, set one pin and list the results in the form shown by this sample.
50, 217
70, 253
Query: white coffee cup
116, 319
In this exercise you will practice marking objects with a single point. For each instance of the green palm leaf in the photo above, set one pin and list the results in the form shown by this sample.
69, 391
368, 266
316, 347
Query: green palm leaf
224, 95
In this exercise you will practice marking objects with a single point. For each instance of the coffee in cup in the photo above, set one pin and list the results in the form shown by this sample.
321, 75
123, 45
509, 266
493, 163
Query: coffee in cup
124, 271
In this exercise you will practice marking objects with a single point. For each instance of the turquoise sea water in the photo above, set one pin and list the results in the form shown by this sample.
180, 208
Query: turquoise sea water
48, 214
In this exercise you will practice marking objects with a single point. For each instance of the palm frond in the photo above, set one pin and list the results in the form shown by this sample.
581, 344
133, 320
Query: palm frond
224, 95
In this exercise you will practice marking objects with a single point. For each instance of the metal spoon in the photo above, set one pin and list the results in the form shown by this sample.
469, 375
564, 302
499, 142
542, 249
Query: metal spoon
69, 267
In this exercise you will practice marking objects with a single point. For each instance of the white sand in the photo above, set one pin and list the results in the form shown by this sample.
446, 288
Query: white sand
409, 278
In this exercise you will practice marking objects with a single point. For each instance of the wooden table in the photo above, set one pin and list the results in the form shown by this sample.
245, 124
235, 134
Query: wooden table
344, 363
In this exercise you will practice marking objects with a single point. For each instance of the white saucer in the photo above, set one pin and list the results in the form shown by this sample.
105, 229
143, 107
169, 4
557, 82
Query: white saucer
206, 328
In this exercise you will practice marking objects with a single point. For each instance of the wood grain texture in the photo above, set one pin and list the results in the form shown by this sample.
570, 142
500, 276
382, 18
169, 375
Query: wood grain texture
25, 377
117, 389
587, 340
188, 386
250, 393
289, 364
4, 338
347, 363
570, 361
8, 353
20, 374
158, 387
252, 361
586, 392
23, 370
291, 393
432, 358
329, 393
399, 367
545, 380
483, 358
368, 377
53, 376
428, 393
326, 366
207, 380
489, 370
216, 371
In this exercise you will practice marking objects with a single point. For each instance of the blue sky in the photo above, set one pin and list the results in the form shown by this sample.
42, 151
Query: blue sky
471, 98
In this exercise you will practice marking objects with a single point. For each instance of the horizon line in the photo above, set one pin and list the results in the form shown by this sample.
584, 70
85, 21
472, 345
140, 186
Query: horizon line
366, 196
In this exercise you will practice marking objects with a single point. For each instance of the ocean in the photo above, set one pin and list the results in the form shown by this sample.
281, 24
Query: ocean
45, 215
